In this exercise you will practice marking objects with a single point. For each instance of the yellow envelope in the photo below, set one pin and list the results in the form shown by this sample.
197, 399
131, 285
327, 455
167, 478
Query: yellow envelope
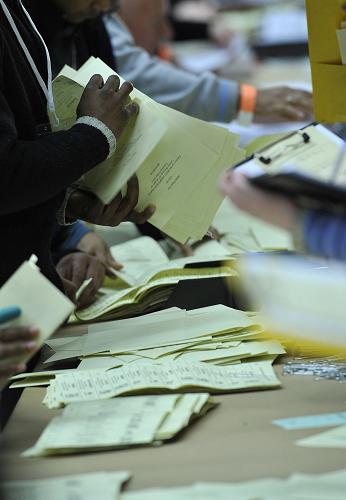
328, 73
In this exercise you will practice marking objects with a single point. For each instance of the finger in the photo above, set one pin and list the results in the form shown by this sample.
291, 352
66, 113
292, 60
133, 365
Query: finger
142, 217
8, 369
18, 333
127, 204
292, 112
85, 206
132, 109
16, 349
96, 271
125, 90
95, 83
112, 84
186, 250
79, 269
70, 289
8, 313
110, 215
111, 262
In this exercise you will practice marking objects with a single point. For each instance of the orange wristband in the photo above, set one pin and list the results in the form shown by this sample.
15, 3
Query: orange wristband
248, 96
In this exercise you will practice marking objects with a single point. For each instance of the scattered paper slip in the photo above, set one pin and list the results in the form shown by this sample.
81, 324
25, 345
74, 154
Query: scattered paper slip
312, 421
334, 438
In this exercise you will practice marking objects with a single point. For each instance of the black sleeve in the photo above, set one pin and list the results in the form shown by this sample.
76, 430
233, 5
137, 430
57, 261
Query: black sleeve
31, 172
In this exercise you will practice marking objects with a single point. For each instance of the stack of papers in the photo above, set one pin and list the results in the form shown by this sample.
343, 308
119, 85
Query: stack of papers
151, 290
215, 334
81, 486
148, 378
119, 423
242, 233
178, 159
143, 259
329, 486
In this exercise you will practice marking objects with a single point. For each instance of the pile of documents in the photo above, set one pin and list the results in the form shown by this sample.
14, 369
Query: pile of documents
143, 259
116, 300
119, 423
329, 486
177, 159
241, 233
80, 486
147, 279
149, 378
215, 335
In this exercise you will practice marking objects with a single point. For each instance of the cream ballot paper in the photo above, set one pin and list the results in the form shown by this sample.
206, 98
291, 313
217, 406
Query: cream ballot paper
177, 159
40, 302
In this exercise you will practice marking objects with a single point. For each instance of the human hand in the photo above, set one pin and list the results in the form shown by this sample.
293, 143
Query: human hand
108, 102
86, 206
271, 208
282, 104
74, 269
93, 245
16, 342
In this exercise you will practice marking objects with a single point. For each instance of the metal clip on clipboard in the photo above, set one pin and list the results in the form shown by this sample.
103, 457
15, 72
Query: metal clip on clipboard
267, 160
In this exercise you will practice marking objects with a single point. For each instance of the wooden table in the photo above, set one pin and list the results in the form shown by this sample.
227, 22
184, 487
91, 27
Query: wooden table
236, 441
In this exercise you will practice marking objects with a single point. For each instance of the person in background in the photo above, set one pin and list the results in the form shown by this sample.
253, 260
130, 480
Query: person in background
155, 28
204, 96
315, 232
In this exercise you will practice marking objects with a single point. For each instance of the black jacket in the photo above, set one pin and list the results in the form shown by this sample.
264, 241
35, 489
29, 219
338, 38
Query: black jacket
71, 44
74, 45
34, 171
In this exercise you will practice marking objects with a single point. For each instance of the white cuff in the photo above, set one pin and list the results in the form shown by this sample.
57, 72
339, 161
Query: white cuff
94, 122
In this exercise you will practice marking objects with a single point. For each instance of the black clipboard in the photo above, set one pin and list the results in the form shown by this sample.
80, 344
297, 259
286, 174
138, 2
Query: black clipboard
305, 191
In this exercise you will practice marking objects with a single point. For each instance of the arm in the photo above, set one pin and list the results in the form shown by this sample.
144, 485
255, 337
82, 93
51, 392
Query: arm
37, 170
324, 234
67, 238
203, 96
314, 232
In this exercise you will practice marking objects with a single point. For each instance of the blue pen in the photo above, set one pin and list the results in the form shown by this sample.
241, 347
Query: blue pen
8, 313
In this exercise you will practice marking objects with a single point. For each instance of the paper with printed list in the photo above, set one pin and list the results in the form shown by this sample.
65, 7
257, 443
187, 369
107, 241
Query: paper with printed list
168, 377
119, 423
177, 159
76, 487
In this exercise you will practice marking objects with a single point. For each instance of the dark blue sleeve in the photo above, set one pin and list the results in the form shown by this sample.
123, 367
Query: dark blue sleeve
325, 234
66, 239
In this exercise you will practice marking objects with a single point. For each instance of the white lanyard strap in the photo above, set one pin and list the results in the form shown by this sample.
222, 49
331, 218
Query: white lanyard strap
46, 88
